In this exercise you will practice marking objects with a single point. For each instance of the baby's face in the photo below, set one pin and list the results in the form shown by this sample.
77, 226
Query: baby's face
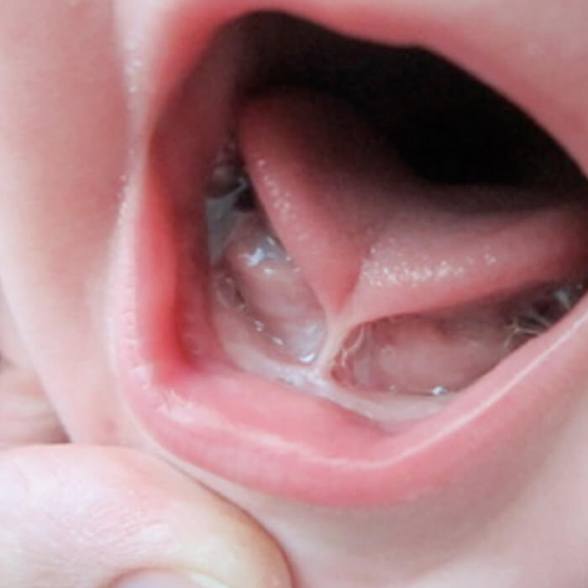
340, 283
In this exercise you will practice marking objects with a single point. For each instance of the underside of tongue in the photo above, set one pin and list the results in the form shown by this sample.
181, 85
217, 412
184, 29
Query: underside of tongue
375, 278
374, 241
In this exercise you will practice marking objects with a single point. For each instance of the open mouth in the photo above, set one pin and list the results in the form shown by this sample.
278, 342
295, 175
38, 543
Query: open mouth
352, 270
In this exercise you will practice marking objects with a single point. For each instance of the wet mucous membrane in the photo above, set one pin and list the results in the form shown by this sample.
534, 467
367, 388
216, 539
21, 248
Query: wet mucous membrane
275, 325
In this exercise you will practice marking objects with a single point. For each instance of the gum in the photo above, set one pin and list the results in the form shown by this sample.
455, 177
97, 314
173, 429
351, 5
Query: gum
261, 282
446, 352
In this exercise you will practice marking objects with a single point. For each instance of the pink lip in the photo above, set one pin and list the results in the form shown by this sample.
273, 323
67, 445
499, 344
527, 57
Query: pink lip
280, 441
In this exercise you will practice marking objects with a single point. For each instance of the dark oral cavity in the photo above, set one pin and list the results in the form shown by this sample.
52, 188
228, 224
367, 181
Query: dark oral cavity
341, 273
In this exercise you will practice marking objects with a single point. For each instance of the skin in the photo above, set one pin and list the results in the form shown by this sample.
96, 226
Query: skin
61, 71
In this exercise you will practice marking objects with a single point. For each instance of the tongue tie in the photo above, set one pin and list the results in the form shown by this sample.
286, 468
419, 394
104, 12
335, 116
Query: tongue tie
358, 277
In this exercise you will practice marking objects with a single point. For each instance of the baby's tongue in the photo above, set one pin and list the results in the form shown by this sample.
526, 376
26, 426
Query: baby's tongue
373, 278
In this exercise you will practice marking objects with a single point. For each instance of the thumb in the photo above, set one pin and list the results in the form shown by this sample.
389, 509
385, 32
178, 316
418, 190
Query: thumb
89, 517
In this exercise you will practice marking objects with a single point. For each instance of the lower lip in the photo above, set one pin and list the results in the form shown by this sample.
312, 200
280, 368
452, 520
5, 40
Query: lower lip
285, 443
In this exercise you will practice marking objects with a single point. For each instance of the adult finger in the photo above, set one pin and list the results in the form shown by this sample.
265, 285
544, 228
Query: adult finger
89, 517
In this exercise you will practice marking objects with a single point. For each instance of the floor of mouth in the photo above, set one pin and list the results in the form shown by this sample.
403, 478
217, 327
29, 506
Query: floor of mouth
271, 324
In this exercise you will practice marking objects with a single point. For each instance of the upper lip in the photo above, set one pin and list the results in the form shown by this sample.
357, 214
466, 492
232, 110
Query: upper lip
337, 461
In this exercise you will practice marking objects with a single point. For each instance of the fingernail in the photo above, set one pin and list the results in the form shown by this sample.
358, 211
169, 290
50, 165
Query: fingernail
162, 579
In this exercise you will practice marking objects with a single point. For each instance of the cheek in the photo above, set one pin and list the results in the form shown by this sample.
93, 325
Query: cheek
64, 125
26, 415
